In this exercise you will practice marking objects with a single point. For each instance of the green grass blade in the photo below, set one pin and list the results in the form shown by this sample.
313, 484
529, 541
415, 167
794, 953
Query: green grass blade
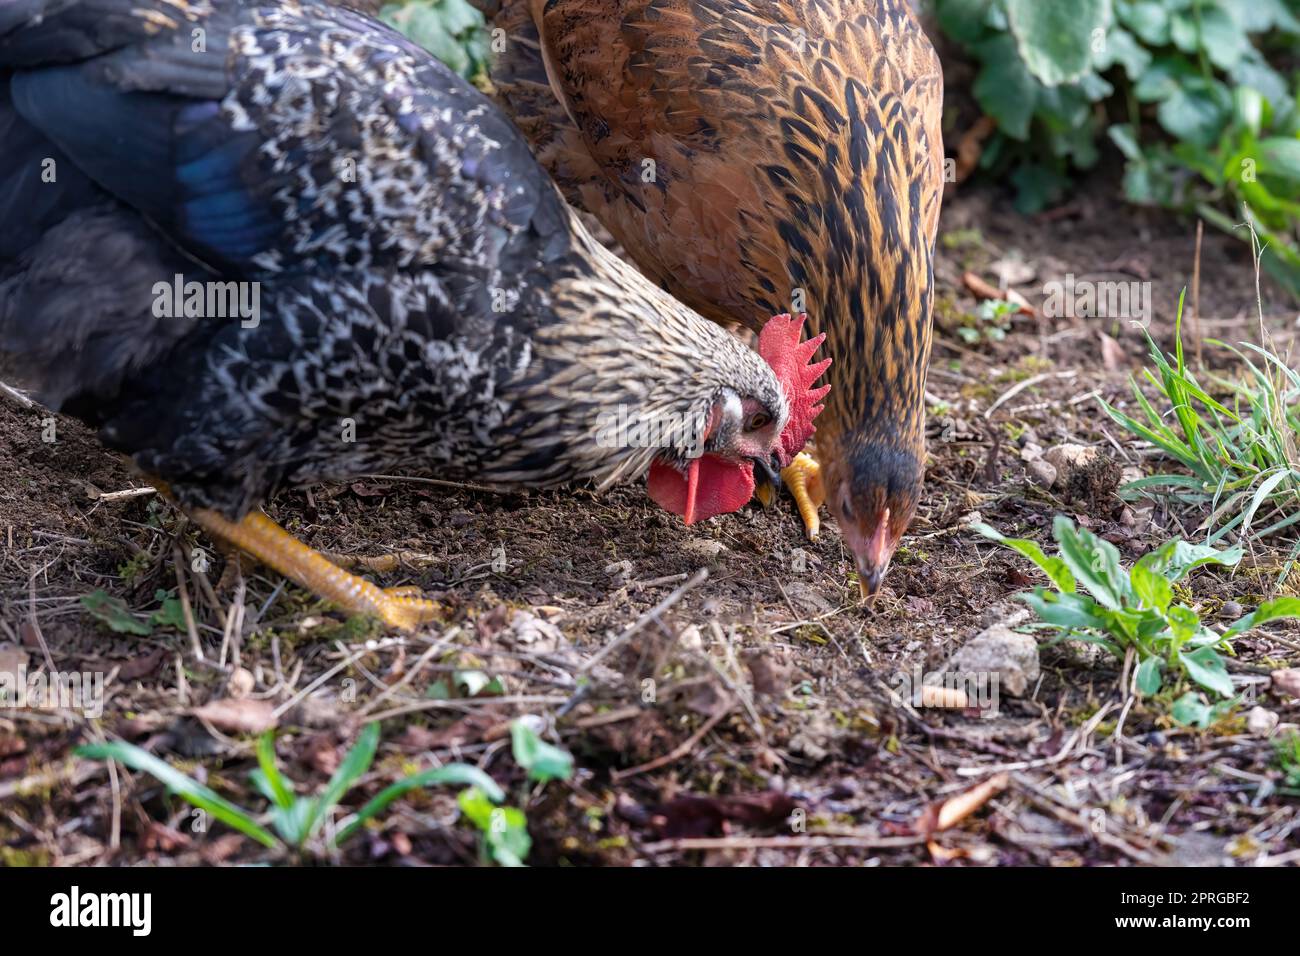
356, 763
451, 773
281, 790
183, 786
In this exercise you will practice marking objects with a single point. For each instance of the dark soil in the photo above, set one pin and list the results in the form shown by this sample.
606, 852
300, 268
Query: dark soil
752, 720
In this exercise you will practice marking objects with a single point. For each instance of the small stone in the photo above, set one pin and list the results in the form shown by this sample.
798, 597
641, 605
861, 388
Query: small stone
1261, 722
241, 683
1069, 456
1231, 610
998, 649
802, 745
704, 547
1044, 472
1286, 682
690, 639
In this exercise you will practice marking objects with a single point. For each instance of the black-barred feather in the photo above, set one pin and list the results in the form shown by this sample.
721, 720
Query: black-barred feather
426, 301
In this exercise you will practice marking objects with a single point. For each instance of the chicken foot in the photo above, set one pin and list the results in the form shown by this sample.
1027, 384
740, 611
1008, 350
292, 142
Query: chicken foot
803, 477
259, 536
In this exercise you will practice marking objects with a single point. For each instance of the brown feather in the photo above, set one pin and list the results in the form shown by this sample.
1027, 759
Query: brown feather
796, 146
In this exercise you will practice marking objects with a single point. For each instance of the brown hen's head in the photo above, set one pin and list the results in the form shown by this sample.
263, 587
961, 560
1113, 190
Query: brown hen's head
873, 494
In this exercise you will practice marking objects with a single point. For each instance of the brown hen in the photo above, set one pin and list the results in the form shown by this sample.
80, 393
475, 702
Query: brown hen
758, 156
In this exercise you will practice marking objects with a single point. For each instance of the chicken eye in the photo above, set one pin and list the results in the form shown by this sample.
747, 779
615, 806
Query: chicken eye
757, 420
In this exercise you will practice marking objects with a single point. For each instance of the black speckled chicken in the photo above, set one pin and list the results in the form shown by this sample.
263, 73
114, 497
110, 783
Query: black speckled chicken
269, 244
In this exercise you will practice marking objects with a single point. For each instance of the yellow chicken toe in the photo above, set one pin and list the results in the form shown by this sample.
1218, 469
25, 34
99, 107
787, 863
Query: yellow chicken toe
803, 477
259, 536
405, 609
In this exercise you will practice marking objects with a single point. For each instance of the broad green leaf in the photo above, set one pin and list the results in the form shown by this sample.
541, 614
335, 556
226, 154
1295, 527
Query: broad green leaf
1248, 108
1151, 589
114, 613
1149, 19
185, 787
1163, 78
1184, 624
1196, 111
1280, 156
504, 829
1205, 666
171, 614
1037, 187
1148, 676
966, 21
1223, 41
1093, 562
543, 761
1268, 611
1055, 39
1122, 135
1190, 710
1176, 559
1005, 89
1054, 568
1066, 610
1122, 48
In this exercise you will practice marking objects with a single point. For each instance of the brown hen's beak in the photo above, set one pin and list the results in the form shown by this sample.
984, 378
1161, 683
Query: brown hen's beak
874, 561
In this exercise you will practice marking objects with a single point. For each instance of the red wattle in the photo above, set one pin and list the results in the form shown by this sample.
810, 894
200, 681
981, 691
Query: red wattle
712, 486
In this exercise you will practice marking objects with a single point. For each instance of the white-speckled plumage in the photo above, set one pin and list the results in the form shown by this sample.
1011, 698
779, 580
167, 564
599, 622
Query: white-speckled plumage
421, 282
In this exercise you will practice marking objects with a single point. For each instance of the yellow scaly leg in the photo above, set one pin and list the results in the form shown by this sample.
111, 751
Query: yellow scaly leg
265, 540
803, 477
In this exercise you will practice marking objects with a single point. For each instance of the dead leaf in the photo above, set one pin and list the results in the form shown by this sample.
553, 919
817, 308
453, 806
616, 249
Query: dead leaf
158, 838
1112, 354
944, 816
143, 665
985, 290
320, 752
971, 146
237, 716
13, 660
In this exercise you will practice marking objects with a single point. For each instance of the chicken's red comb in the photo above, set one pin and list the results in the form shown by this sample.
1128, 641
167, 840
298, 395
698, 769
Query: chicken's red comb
779, 345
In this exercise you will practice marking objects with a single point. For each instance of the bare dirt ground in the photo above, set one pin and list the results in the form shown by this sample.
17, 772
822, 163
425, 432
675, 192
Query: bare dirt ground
750, 719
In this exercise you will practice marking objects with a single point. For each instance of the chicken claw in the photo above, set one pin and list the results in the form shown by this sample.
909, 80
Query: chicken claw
265, 540
803, 477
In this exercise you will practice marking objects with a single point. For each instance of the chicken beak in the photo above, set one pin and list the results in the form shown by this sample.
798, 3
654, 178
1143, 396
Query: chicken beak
874, 561
767, 481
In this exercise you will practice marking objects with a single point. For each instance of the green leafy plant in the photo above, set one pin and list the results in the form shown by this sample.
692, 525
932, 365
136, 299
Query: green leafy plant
113, 613
989, 322
1182, 88
1287, 751
452, 30
296, 819
1243, 460
1121, 608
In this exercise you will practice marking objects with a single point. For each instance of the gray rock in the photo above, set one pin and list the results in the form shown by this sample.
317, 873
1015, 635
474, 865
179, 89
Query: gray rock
999, 650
